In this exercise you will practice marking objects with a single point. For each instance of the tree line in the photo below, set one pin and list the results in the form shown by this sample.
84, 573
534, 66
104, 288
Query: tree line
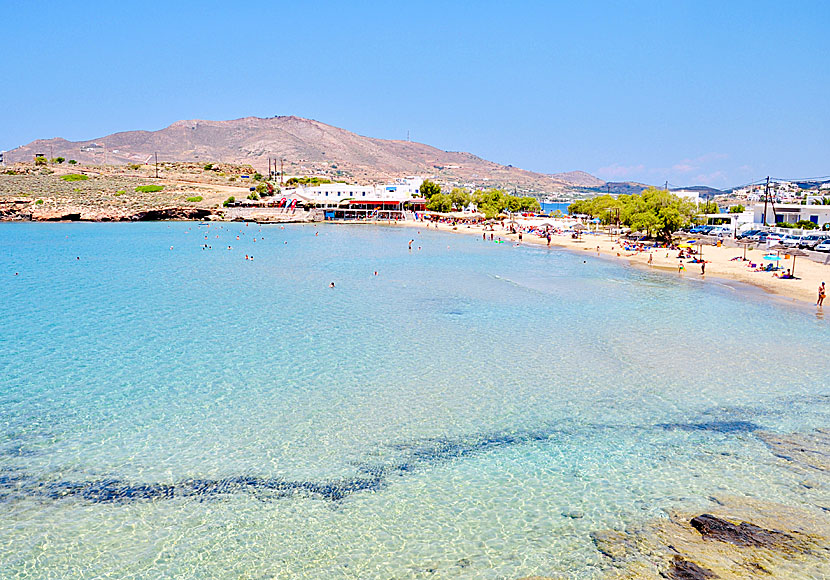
490, 202
654, 211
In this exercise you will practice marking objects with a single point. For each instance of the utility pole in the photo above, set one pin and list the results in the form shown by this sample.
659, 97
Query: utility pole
157, 164
667, 185
766, 198
281, 171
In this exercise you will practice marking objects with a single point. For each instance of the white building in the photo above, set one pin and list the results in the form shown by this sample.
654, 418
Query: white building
687, 194
332, 195
792, 213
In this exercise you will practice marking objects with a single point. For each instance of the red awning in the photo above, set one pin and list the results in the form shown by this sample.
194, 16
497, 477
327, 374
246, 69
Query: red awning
375, 202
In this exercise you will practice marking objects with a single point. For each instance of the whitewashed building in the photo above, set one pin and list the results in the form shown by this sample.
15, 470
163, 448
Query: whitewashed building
792, 213
332, 195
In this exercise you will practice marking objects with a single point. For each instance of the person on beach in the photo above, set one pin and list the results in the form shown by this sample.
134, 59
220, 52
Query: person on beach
520, 236
821, 294
702, 268
548, 237
650, 259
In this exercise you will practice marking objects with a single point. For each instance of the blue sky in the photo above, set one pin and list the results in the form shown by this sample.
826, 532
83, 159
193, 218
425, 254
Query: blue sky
717, 93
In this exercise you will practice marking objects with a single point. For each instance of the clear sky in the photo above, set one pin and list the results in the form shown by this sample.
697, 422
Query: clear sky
693, 92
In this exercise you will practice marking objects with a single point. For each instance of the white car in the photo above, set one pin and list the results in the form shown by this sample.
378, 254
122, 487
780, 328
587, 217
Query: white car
810, 241
791, 241
720, 232
824, 246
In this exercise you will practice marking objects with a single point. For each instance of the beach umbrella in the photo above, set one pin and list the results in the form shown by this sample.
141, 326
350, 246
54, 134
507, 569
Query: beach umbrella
795, 252
698, 241
745, 243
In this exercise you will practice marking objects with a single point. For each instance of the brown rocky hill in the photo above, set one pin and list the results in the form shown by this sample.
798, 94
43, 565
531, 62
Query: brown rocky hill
307, 147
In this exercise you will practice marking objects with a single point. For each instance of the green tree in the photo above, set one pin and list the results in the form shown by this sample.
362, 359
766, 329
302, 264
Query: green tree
72, 162
429, 188
439, 202
709, 206
605, 207
40, 160
736, 209
58, 160
655, 211
257, 176
260, 188
460, 197
229, 201
529, 204
253, 196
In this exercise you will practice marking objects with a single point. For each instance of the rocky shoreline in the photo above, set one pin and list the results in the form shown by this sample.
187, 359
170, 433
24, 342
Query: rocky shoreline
26, 210
737, 538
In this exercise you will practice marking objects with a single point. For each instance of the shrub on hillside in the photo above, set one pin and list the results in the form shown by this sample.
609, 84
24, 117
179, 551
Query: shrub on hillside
74, 177
149, 188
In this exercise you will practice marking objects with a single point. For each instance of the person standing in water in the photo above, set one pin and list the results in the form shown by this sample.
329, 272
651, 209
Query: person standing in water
821, 294
410, 244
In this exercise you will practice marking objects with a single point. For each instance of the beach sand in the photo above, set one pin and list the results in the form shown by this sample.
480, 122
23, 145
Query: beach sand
719, 263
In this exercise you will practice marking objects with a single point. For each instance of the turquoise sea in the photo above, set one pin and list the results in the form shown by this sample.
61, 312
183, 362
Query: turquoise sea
474, 410
552, 207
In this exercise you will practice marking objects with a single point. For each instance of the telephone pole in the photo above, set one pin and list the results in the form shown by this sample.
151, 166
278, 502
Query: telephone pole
281, 171
766, 198
157, 164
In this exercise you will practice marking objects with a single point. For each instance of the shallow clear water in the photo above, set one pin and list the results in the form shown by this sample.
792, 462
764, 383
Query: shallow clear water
168, 410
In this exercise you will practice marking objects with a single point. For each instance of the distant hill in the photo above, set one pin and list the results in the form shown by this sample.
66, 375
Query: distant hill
614, 188
307, 147
579, 178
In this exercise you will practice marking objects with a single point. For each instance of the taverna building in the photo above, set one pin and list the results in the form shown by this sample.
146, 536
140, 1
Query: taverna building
342, 201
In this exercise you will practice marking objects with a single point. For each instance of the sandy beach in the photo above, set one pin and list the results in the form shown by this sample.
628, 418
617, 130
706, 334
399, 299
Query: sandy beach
719, 260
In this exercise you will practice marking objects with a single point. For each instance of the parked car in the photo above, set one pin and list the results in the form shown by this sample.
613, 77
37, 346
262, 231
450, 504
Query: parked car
823, 246
812, 240
720, 231
700, 229
791, 240
747, 233
764, 237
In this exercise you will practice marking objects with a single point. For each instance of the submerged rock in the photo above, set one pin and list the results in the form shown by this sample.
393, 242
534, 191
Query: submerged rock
803, 452
686, 570
745, 534
737, 539
612, 544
